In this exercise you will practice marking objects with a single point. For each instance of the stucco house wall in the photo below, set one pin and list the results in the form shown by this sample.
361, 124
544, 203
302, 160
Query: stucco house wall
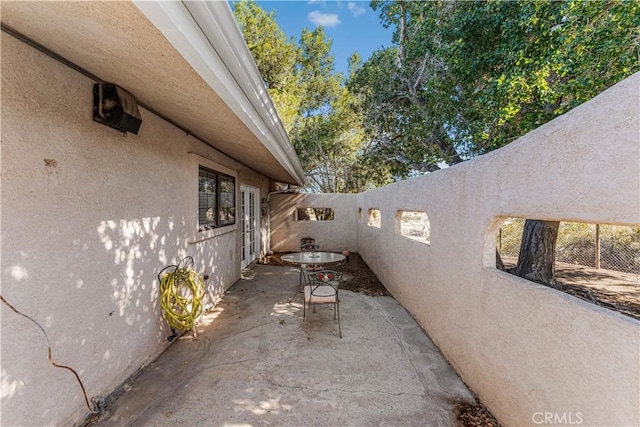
89, 218
527, 350
336, 235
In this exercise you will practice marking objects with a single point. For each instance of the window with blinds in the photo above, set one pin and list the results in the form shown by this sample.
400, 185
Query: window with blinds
216, 199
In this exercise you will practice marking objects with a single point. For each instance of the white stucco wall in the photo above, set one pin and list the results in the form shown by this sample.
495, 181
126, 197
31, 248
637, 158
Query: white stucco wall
334, 236
522, 347
89, 218
530, 352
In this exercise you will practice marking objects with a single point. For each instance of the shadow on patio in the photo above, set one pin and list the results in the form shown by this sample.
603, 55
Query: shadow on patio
252, 364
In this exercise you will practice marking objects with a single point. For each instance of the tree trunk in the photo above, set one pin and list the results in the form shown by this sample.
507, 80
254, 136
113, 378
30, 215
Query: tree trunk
403, 33
499, 263
536, 261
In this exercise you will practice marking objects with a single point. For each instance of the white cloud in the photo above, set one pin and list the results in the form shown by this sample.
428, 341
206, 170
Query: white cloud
355, 9
325, 19
322, 2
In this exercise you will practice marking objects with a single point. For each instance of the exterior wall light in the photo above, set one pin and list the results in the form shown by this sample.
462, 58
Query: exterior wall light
116, 108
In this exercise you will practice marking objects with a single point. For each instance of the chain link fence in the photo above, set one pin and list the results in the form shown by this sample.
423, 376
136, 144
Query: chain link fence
611, 247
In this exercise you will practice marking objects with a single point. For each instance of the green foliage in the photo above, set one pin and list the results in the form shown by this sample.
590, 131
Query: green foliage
315, 70
520, 64
274, 54
321, 116
509, 237
463, 78
467, 77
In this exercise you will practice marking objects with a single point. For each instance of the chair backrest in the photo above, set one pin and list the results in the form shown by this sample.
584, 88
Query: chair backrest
312, 267
307, 240
324, 278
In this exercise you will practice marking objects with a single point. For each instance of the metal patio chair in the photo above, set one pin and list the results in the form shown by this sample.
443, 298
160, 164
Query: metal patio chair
308, 268
322, 288
308, 240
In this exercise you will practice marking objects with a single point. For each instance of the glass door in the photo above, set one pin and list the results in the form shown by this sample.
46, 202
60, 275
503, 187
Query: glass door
250, 220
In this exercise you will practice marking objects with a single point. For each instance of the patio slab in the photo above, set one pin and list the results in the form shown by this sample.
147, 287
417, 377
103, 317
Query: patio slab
252, 364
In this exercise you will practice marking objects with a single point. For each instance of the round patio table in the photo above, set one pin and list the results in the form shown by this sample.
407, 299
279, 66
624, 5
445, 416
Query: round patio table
300, 258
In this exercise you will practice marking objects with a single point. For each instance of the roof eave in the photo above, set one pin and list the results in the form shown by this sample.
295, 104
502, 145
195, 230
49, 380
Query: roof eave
207, 37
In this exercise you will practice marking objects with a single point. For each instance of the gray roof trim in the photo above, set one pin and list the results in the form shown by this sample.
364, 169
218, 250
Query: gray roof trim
207, 37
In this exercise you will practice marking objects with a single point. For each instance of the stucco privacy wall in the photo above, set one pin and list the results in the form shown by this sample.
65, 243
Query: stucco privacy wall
525, 349
336, 236
89, 218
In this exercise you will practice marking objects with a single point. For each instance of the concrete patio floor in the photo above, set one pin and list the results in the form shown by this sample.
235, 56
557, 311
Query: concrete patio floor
252, 364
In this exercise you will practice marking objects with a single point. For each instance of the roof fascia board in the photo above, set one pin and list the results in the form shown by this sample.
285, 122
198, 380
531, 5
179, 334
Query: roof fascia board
206, 35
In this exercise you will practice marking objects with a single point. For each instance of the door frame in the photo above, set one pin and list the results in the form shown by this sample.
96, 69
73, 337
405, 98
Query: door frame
246, 257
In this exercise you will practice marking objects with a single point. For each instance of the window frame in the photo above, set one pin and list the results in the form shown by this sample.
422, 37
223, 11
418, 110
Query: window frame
195, 233
222, 215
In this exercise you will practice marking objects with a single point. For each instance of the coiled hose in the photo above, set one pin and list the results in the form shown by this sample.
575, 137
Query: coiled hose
181, 293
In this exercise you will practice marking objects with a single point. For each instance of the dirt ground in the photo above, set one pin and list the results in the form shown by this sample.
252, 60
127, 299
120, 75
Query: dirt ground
611, 289
476, 415
359, 278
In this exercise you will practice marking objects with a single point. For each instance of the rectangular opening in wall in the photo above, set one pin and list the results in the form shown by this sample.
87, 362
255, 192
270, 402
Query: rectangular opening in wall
360, 215
374, 218
599, 263
414, 225
315, 214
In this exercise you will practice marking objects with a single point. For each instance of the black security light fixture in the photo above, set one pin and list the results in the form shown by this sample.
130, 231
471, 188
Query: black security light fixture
116, 108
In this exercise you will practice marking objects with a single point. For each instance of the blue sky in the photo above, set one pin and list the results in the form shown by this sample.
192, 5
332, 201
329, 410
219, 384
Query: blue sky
352, 25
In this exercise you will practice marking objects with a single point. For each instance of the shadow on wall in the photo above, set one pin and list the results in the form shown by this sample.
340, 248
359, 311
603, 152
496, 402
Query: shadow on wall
328, 218
139, 251
97, 300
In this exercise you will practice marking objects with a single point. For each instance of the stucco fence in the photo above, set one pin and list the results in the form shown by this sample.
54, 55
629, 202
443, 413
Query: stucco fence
534, 355
335, 235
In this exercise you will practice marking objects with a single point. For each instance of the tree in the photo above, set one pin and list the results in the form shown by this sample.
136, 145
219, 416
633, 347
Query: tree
316, 71
316, 131
517, 65
328, 133
556, 56
403, 104
274, 54
536, 260
317, 111
468, 77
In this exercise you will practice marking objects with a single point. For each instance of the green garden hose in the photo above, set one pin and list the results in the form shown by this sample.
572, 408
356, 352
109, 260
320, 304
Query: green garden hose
181, 296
